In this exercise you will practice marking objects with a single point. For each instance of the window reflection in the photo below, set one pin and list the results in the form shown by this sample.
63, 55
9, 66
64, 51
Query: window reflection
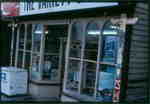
90, 57
110, 41
21, 36
76, 42
36, 37
73, 75
37, 32
107, 74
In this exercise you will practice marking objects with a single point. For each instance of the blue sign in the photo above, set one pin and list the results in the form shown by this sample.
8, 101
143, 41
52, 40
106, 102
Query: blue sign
110, 47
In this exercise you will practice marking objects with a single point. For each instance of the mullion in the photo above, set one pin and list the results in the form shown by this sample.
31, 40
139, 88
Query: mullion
98, 65
17, 45
12, 45
67, 55
25, 39
82, 56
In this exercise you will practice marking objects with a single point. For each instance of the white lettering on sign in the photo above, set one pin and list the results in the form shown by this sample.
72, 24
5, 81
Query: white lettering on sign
30, 8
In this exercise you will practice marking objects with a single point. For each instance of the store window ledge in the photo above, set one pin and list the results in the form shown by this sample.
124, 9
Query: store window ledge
78, 97
45, 82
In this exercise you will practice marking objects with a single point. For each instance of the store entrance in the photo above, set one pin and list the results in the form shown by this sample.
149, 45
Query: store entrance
54, 53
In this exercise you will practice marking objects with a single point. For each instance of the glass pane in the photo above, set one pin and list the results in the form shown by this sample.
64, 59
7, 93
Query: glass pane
106, 83
35, 67
91, 41
35, 62
20, 59
110, 41
29, 37
21, 37
76, 40
50, 67
89, 76
73, 75
37, 33
27, 60
53, 34
110, 29
109, 49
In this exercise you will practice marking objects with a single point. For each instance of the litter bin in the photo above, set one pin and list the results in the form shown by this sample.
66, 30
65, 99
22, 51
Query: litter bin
13, 81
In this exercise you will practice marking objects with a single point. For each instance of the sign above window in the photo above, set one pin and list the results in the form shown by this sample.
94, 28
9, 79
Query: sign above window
10, 8
30, 8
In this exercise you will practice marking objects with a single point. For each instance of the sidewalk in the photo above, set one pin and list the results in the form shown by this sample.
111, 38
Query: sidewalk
26, 98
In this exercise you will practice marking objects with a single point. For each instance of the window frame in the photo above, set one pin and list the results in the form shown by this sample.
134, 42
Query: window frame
101, 23
26, 24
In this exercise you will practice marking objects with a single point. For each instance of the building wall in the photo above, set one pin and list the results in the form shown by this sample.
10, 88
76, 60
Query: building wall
5, 36
137, 88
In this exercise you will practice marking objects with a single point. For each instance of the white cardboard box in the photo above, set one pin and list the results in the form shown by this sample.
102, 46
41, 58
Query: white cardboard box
13, 81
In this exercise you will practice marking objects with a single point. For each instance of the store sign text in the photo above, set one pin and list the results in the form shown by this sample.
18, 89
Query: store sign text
30, 8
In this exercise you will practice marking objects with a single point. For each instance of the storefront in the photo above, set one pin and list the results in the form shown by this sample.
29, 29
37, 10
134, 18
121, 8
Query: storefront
82, 51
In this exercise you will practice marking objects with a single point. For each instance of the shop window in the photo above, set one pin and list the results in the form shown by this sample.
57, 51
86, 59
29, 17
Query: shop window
107, 72
90, 58
28, 47
95, 67
21, 41
36, 51
21, 46
50, 68
76, 41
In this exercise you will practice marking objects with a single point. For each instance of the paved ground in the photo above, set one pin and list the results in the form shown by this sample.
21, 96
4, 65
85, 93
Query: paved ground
26, 98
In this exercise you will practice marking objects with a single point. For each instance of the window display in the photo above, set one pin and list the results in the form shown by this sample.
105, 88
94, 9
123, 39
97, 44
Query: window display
89, 76
106, 83
96, 60
110, 46
50, 68
108, 67
90, 57
36, 53
73, 75
38, 50
74, 57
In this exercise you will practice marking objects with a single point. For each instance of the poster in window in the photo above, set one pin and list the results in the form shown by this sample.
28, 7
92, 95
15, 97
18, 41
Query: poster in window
110, 46
106, 81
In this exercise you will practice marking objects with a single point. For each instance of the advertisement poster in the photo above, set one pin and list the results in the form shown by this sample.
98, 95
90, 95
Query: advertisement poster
106, 81
106, 86
110, 48
10, 8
